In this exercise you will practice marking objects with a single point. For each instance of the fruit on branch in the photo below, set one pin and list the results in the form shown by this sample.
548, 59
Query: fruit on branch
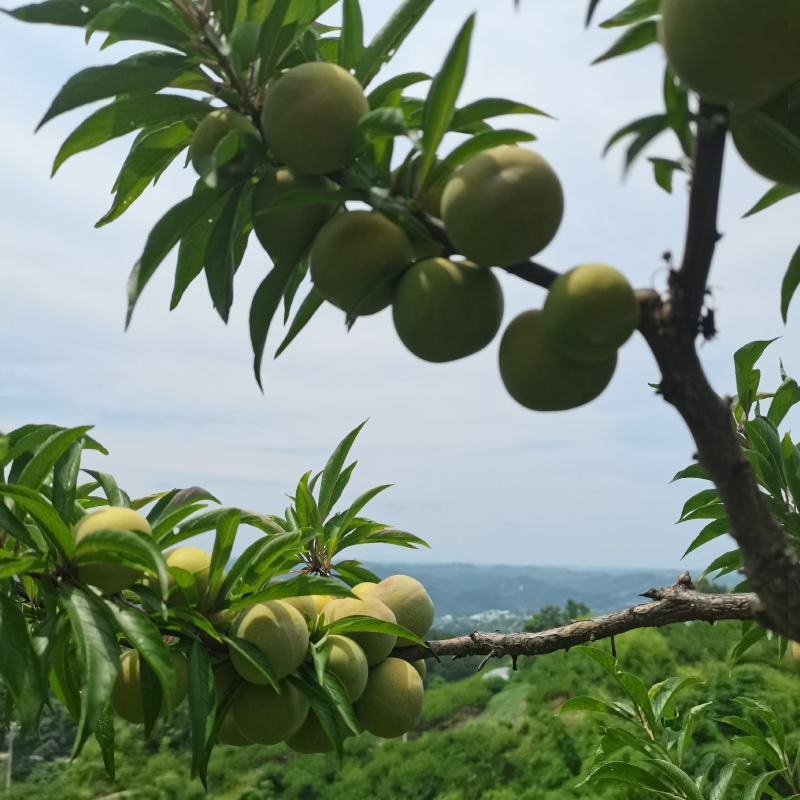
310, 117
305, 605
404, 184
109, 576
364, 590
444, 310
761, 147
590, 312
265, 717
211, 131
503, 206
244, 41
410, 603
286, 232
195, 561
392, 702
310, 737
279, 631
539, 377
225, 676
356, 258
376, 646
739, 52
421, 667
320, 601
126, 695
346, 660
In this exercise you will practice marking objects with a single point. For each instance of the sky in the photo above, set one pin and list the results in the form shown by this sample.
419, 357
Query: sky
480, 478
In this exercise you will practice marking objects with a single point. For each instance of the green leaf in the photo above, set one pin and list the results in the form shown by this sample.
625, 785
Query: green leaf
322, 705
634, 38
392, 89
45, 457
202, 699
12, 525
474, 145
99, 655
141, 20
786, 397
692, 471
65, 478
774, 195
593, 705
490, 107
108, 483
19, 666
362, 624
747, 377
265, 303
308, 308
126, 115
664, 170
643, 130
24, 565
142, 634
143, 72
298, 586
714, 529
757, 786
104, 734
637, 11
150, 154
791, 280
227, 528
163, 237
138, 549
390, 37
358, 504
333, 468
254, 658
616, 772
719, 791
685, 785
51, 525
700, 500
439, 109
73, 13
270, 42
353, 573
351, 43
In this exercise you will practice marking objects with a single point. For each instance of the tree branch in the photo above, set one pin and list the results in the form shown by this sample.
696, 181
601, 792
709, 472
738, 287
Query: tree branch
677, 603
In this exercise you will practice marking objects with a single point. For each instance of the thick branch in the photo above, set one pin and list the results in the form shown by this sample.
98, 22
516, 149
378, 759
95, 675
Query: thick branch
678, 603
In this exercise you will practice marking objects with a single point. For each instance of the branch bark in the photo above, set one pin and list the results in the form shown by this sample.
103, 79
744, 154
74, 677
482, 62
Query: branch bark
670, 326
677, 603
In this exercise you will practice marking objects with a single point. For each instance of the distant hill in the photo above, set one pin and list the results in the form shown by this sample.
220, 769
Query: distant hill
462, 590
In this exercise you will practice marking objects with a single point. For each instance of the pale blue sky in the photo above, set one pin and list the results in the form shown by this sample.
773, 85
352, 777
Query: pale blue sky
481, 478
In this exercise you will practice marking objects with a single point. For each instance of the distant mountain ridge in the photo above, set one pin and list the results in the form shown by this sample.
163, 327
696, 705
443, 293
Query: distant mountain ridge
461, 590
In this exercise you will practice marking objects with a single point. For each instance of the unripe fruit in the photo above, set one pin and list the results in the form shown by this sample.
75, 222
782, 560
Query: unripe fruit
503, 206
738, 52
320, 601
224, 678
286, 233
404, 183
590, 312
363, 590
310, 737
356, 258
265, 717
310, 117
539, 377
346, 660
210, 132
376, 646
421, 668
392, 702
110, 577
126, 696
765, 153
409, 602
279, 631
444, 310
195, 561
304, 604
244, 41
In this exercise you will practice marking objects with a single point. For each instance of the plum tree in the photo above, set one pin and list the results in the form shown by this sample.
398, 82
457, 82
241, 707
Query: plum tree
264, 716
503, 206
738, 52
279, 631
376, 646
287, 233
445, 310
590, 312
355, 258
126, 696
392, 702
310, 117
348, 662
539, 377
761, 148
410, 603
210, 132
109, 576
195, 561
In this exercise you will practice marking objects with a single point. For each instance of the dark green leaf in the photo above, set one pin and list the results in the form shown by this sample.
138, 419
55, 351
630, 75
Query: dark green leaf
747, 377
773, 196
307, 309
714, 529
392, 89
45, 457
361, 624
138, 20
490, 107
351, 43
333, 468
271, 44
65, 478
104, 734
227, 528
51, 525
298, 586
254, 658
114, 495
635, 38
637, 11
692, 471
791, 280
74, 13
202, 699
